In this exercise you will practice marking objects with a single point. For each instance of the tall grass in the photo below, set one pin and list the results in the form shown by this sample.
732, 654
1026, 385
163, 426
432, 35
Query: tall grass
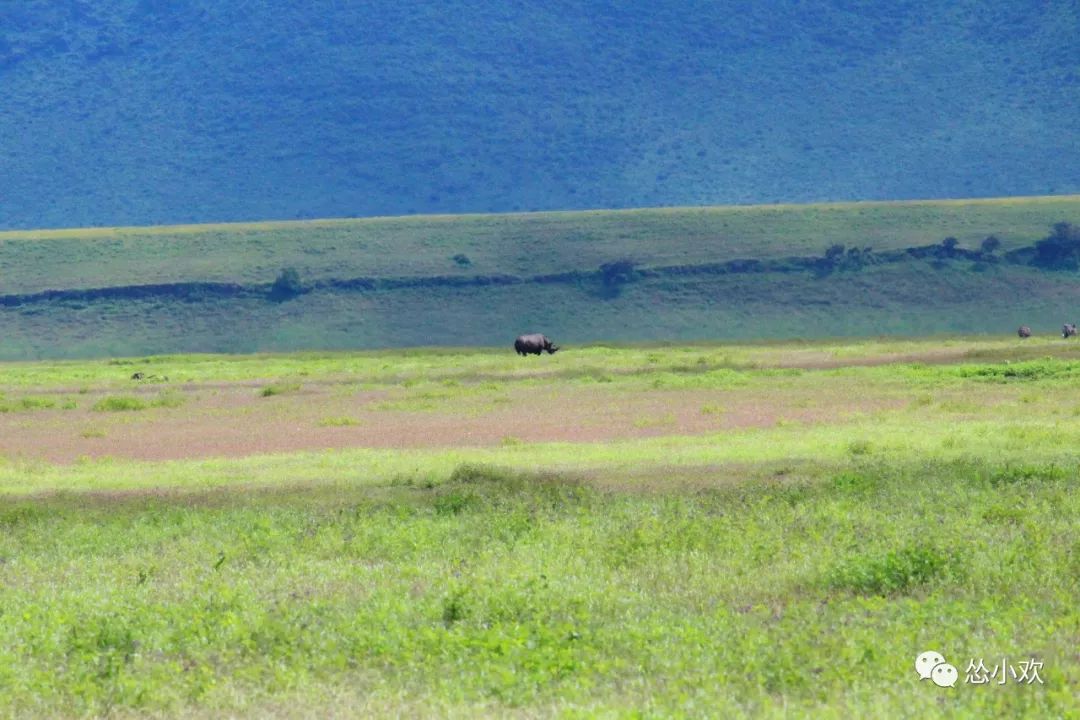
770, 571
495, 591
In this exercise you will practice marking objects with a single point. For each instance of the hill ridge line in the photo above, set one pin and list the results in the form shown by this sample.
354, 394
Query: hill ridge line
610, 277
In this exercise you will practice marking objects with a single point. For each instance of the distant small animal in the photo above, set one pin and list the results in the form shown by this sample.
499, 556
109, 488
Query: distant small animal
1068, 330
534, 344
144, 376
1024, 331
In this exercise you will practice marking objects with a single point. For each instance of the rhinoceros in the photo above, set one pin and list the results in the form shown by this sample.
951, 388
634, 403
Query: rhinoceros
534, 344
1068, 330
1024, 331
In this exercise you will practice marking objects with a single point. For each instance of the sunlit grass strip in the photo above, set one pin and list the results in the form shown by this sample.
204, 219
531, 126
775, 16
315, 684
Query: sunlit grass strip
500, 364
940, 439
360, 223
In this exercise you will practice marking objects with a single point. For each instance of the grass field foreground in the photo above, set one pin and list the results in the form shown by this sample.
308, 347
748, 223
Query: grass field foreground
925, 499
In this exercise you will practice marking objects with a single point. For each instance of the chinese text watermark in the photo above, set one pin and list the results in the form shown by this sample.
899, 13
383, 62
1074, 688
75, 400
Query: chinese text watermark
932, 666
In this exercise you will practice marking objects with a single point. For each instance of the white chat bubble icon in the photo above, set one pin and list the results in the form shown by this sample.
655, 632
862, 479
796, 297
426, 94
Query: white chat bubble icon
944, 675
924, 664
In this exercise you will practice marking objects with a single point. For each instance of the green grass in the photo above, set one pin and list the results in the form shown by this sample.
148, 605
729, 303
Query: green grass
915, 297
30, 403
505, 244
338, 421
128, 403
585, 364
120, 403
788, 570
168, 399
494, 592
279, 389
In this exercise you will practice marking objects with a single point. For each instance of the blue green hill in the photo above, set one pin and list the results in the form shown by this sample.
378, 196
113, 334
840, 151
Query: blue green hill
142, 112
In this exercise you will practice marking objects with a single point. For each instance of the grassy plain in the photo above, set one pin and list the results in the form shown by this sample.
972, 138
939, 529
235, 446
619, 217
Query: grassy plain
733, 530
414, 293
515, 244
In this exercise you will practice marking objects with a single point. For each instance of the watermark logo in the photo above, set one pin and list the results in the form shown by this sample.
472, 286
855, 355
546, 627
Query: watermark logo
931, 665
944, 675
979, 674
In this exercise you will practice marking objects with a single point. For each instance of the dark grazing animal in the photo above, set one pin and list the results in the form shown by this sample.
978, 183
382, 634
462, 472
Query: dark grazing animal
1024, 331
534, 344
1068, 330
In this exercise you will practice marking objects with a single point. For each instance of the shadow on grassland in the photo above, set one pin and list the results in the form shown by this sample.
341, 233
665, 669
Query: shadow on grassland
473, 486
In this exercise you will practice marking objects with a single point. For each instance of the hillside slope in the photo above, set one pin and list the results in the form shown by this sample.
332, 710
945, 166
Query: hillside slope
640, 275
163, 111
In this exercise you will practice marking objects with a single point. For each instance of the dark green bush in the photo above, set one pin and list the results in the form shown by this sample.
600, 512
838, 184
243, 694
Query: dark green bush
287, 285
617, 272
476, 473
894, 572
1016, 474
1060, 250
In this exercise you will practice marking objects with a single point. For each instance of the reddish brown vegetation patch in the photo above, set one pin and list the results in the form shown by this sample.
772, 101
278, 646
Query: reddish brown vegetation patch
233, 420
